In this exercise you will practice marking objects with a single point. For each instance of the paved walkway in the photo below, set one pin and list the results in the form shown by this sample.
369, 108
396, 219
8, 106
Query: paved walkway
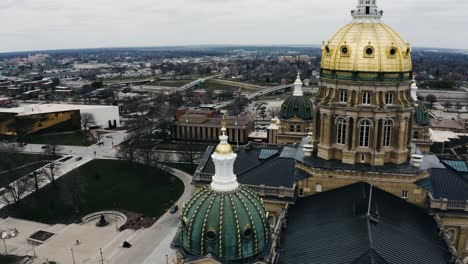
151, 245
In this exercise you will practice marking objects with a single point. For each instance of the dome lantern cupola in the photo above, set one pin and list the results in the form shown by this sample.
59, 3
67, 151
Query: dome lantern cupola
298, 86
225, 219
367, 9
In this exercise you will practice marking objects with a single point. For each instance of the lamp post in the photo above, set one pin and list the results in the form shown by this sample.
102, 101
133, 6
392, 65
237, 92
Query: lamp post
4, 244
73, 256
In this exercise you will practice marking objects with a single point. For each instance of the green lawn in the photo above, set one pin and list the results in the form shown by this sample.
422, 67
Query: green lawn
9, 259
77, 138
186, 167
10, 161
101, 185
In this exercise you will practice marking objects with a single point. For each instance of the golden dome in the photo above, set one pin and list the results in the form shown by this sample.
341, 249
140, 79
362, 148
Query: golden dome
224, 148
367, 47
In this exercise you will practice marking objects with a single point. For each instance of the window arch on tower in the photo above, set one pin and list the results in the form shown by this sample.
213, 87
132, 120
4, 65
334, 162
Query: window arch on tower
343, 96
366, 98
292, 128
298, 128
341, 131
388, 125
364, 133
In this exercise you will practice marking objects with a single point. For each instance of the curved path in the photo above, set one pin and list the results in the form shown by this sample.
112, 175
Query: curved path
151, 245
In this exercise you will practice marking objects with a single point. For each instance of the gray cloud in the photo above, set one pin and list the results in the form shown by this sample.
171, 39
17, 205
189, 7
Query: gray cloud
52, 24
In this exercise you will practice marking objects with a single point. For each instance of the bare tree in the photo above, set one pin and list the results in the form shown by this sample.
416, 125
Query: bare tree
51, 171
146, 156
87, 120
128, 151
16, 190
188, 154
53, 150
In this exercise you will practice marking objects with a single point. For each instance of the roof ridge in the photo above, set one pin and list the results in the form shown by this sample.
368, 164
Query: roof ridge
372, 253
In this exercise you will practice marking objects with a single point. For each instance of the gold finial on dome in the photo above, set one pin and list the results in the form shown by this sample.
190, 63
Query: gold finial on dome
223, 147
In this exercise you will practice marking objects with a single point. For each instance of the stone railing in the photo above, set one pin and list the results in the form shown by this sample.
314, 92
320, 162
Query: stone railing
280, 192
446, 204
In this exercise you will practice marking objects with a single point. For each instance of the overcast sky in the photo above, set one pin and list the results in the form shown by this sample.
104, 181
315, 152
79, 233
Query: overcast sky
63, 24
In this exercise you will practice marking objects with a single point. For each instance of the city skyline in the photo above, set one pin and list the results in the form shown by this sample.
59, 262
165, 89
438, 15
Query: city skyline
52, 24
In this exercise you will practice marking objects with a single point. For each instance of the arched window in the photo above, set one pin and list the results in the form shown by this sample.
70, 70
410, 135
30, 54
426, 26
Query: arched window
366, 98
416, 135
292, 128
298, 128
364, 134
389, 98
388, 133
343, 96
341, 131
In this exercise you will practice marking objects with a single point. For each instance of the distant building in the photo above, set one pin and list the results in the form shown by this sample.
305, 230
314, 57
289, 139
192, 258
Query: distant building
202, 124
29, 119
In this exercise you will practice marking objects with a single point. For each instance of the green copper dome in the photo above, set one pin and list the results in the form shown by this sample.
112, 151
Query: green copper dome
421, 115
297, 106
231, 226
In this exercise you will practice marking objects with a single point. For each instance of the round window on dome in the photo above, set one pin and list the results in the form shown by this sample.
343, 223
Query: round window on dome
344, 50
392, 52
327, 49
247, 231
369, 52
211, 234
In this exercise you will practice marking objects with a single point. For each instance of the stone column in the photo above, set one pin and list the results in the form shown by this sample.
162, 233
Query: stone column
328, 130
348, 131
355, 132
401, 134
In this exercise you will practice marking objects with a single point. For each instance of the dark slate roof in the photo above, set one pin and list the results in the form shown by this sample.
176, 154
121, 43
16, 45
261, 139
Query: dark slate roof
252, 168
333, 228
447, 184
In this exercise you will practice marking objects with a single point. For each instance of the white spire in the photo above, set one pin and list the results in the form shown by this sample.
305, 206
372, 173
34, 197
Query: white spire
414, 90
224, 179
298, 86
367, 11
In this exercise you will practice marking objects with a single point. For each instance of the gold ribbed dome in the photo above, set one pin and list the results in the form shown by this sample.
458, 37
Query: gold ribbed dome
224, 148
367, 47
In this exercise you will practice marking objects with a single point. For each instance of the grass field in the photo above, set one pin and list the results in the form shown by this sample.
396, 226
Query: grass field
9, 259
77, 138
185, 167
100, 185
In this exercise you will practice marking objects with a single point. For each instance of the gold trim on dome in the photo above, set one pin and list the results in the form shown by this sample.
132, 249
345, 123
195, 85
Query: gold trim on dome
356, 36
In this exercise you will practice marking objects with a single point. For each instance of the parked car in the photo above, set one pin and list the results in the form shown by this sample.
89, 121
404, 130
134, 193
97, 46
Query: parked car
78, 158
174, 209
44, 147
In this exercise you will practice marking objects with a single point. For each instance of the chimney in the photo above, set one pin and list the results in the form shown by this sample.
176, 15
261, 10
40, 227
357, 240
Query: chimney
416, 160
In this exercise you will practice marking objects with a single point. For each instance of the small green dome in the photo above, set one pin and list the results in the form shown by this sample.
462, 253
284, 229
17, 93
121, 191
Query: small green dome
421, 115
231, 226
297, 106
